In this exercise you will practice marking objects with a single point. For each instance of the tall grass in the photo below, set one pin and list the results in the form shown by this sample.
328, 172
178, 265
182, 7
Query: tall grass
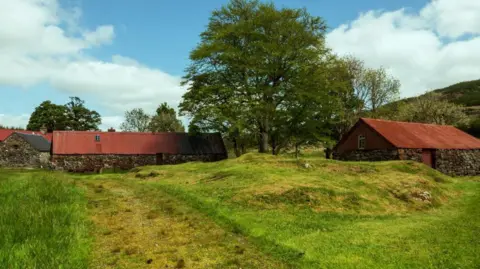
42, 221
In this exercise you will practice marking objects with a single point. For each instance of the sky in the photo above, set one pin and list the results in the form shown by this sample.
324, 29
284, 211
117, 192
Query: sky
122, 54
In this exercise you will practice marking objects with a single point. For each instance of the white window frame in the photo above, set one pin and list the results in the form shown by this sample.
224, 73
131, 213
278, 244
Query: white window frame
361, 139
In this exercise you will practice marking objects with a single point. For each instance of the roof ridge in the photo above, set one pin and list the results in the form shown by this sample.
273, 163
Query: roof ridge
409, 122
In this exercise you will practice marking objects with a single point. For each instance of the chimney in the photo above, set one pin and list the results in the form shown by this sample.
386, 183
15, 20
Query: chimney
43, 130
111, 130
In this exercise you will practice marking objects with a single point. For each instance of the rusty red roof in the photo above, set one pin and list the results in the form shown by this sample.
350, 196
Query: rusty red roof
129, 143
4, 133
420, 135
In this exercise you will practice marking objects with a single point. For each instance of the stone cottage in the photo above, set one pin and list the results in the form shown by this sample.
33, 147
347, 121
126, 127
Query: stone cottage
22, 149
4, 133
92, 151
444, 148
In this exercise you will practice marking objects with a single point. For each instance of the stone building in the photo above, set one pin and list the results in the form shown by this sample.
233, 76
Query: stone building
22, 149
444, 148
93, 151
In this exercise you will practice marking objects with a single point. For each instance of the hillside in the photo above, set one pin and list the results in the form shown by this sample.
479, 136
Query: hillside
256, 211
464, 93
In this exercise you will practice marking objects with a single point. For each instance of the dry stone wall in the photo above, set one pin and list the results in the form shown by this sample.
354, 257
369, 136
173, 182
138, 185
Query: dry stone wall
179, 158
368, 155
16, 152
458, 162
410, 154
91, 163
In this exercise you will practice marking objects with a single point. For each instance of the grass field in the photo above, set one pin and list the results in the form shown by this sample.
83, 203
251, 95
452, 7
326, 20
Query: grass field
43, 222
257, 211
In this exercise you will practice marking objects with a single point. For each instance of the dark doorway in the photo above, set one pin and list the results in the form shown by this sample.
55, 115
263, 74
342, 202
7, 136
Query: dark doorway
159, 158
428, 157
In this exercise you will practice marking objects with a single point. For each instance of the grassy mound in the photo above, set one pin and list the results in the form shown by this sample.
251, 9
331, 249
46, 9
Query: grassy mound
322, 213
265, 181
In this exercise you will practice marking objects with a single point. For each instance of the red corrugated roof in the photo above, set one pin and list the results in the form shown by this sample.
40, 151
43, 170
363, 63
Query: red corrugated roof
70, 142
4, 133
420, 135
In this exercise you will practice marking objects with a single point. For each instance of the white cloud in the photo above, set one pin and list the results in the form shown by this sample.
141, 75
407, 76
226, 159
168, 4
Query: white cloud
40, 42
412, 46
453, 18
111, 122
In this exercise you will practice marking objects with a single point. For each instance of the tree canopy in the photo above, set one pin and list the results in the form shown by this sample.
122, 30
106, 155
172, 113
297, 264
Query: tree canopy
71, 116
432, 108
136, 120
165, 120
262, 72
81, 118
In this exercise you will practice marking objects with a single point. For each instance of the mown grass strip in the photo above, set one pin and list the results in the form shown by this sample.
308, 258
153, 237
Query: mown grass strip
42, 221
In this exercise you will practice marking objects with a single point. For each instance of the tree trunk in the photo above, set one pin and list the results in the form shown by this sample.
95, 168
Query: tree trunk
328, 153
263, 143
296, 151
274, 146
235, 148
263, 147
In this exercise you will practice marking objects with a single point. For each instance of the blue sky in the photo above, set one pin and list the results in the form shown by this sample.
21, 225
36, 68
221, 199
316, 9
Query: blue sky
162, 33
123, 54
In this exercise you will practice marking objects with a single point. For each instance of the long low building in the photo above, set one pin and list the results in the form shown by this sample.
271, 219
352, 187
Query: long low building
92, 151
444, 148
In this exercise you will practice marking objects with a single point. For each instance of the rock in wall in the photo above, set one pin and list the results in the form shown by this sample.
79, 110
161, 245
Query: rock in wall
457, 162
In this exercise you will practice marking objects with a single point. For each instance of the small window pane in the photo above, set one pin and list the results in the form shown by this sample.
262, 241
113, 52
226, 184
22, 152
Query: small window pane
361, 142
97, 138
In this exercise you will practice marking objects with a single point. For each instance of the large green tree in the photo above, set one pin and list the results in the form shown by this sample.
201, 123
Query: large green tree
136, 120
374, 87
165, 120
50, 115
71, 116
81, 118
253, 69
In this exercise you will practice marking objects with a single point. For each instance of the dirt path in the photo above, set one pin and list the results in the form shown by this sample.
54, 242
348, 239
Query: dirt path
137, 227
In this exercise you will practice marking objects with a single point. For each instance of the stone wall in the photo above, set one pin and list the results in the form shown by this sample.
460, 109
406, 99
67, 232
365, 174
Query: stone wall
178, 158
90, 163
458, 162
410, 154
368, 155
16, 152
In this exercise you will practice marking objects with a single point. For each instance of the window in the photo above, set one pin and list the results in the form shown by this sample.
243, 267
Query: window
361, 142
97, 138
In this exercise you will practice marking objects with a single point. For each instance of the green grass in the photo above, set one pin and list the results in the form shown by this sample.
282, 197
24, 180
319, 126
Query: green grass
42, 221
256, 211
335, 215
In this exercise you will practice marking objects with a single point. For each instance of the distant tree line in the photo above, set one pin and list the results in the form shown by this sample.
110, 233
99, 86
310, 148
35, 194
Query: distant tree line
164, 120
11, 127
